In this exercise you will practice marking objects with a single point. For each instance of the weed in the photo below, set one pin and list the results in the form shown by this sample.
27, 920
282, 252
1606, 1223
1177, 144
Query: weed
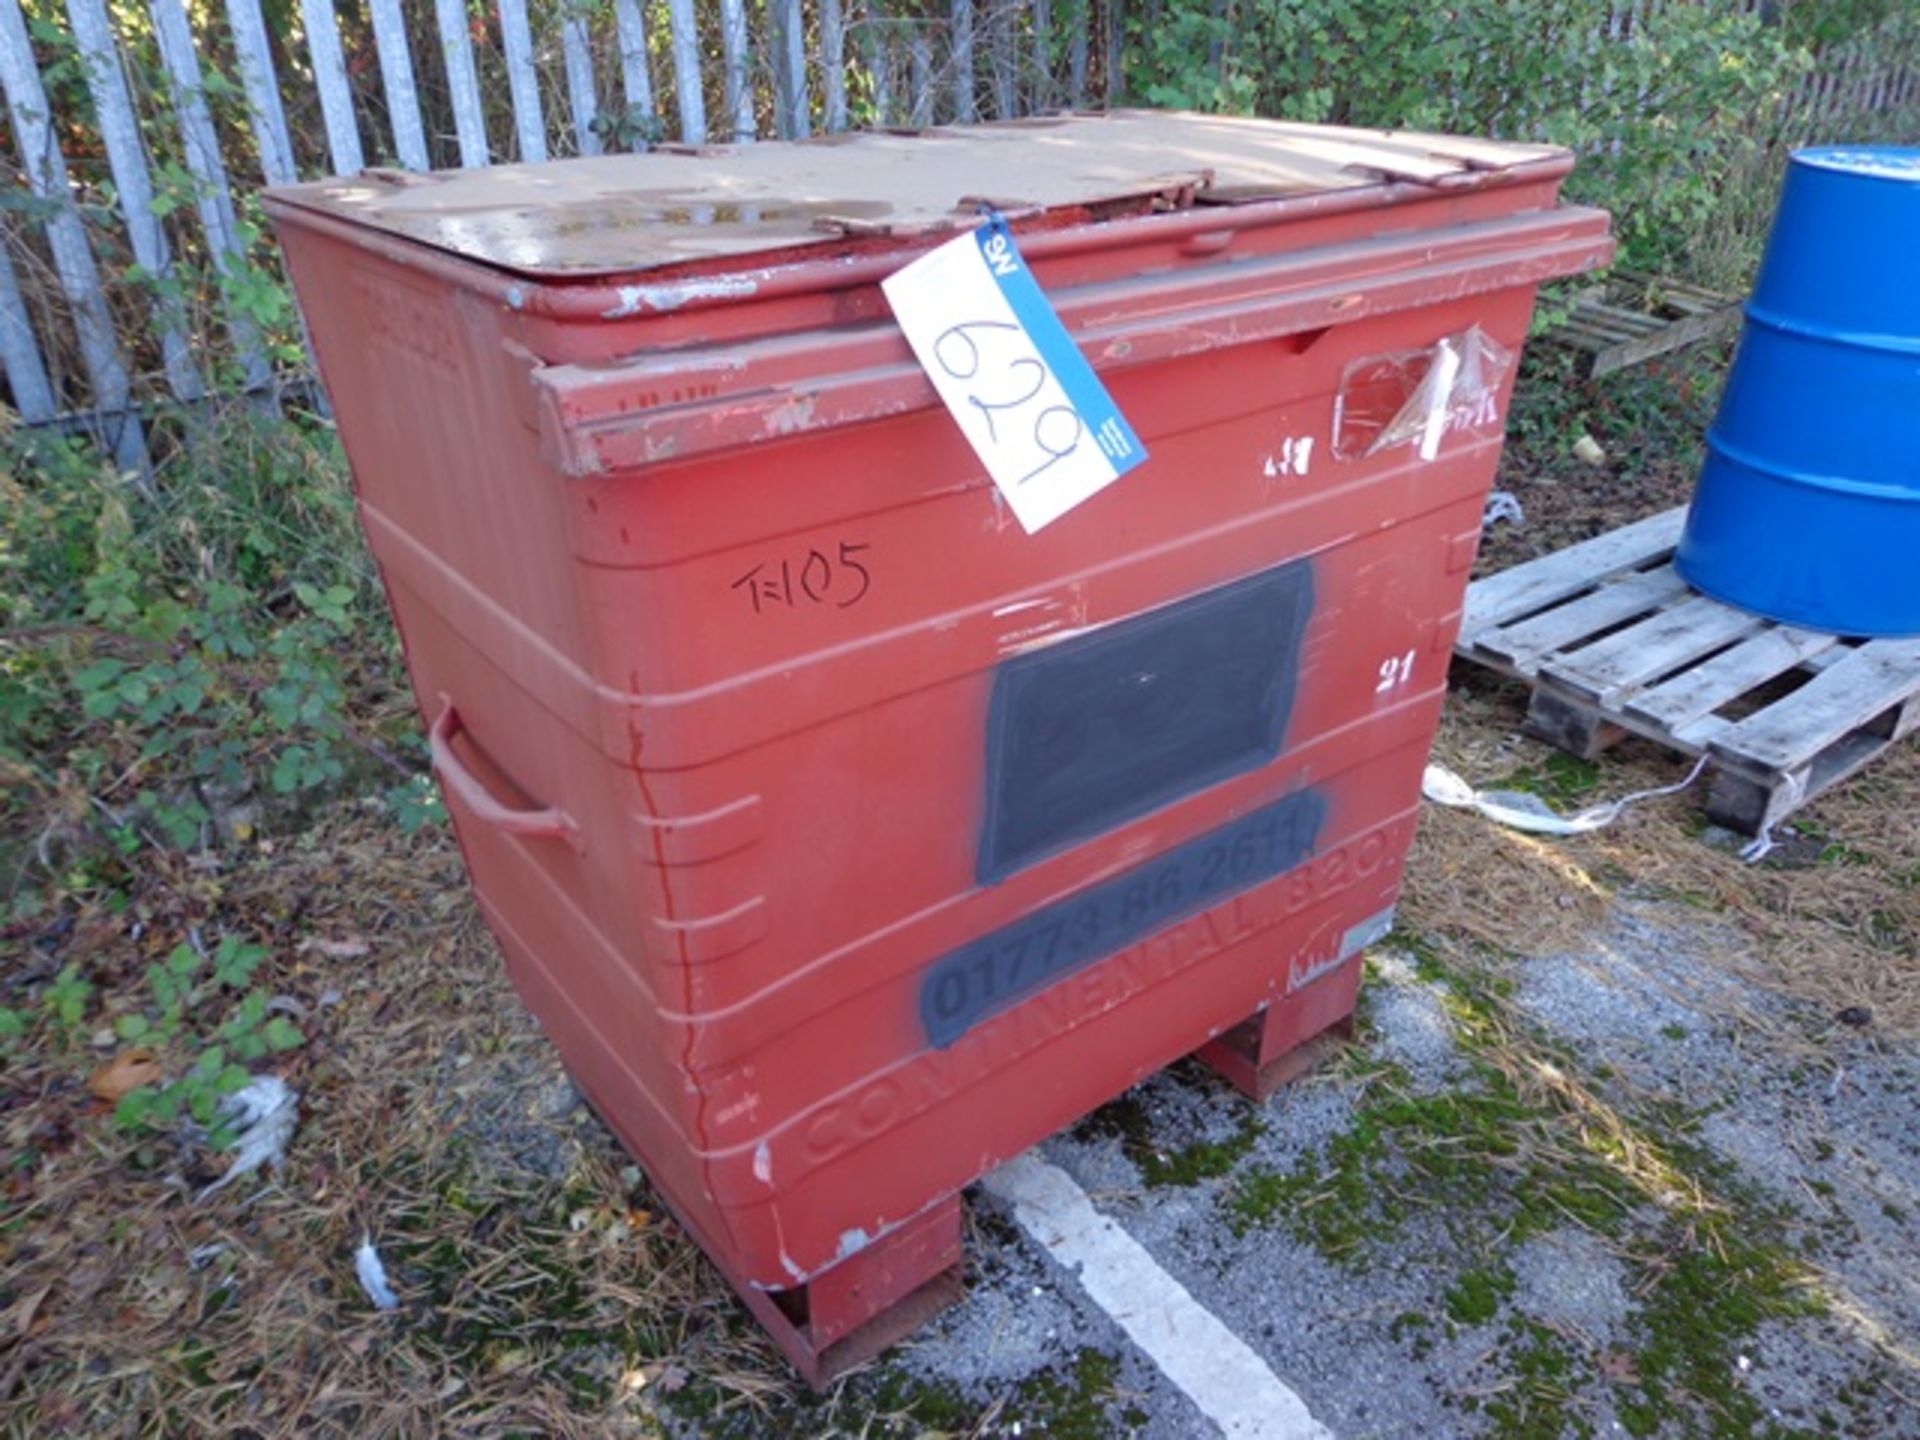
1679, 131
178, 665
1475, 1297
1559, 779
66, 997
1125, 1119
934, 1408
180, 1020
1538, 1399
1073, 1405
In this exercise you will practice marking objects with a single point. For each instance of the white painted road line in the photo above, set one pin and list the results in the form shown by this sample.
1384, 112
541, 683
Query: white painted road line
1219, 1372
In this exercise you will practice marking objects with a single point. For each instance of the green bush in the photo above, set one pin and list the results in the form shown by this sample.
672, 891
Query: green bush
180, 661
1675, 124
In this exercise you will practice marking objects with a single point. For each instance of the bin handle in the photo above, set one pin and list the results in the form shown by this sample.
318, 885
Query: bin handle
550, 823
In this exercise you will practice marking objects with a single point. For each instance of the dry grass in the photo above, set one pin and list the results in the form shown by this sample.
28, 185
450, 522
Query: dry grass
1831, 918
542, 1290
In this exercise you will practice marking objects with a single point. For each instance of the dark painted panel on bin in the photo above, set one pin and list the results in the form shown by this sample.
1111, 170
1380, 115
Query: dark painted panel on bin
993, 973
1089, 733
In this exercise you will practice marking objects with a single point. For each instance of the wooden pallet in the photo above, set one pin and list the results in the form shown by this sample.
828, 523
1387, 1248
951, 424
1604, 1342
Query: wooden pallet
1614, 643
1633, 318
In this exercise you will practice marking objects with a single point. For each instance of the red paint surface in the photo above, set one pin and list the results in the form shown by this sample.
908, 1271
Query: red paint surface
772, 809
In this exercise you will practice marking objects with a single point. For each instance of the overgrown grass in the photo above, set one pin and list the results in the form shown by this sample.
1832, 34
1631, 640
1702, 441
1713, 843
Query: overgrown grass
180, 662
190, 668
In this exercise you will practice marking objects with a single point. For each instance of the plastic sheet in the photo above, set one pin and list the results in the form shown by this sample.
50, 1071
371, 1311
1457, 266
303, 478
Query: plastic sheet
1518, 810
1502, 505
1414, 397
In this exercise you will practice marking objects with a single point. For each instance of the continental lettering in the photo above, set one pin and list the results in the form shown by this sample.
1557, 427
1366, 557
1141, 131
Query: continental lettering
937, 1075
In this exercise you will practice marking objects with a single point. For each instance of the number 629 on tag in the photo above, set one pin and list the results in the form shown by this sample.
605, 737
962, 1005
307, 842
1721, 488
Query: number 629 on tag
1025, 397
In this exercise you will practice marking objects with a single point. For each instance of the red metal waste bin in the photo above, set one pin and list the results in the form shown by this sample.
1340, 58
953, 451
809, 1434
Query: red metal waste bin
846, 838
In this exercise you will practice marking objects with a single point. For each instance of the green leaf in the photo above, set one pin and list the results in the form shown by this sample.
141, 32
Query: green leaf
99, 674
288, 769
282, 1034
245, 1017
136, 1108
67, 995
131, 1027
234, 961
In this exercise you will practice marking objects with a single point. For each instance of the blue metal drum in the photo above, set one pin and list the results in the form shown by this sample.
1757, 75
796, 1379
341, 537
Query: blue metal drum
1808, 506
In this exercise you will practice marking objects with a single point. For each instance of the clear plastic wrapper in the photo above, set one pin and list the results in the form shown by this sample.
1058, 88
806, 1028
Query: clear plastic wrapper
1414, 397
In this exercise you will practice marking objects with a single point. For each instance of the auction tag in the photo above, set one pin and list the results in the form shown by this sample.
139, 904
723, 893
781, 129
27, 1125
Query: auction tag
1023, 394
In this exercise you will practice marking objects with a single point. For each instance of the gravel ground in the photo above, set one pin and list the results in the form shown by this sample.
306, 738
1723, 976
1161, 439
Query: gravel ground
1465, 1312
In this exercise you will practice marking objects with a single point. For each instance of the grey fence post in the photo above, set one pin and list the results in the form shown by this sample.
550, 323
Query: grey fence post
636, 80
684, 35
1040, 90
396, 78
787, 35
1003, 55
877, 49
965, 109
1078, 45
920, 76
1116, 36
733, 43
213, 200
330, 79
19, 351
833, 64
262, 84
581, 98
529, 121
46, 167
127, 160
463, 88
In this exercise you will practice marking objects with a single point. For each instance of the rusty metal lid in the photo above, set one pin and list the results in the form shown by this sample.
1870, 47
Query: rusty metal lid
619, 214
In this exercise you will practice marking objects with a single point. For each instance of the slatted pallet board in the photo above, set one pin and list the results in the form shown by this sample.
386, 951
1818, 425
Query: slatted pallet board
1635, 317
1613, 642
